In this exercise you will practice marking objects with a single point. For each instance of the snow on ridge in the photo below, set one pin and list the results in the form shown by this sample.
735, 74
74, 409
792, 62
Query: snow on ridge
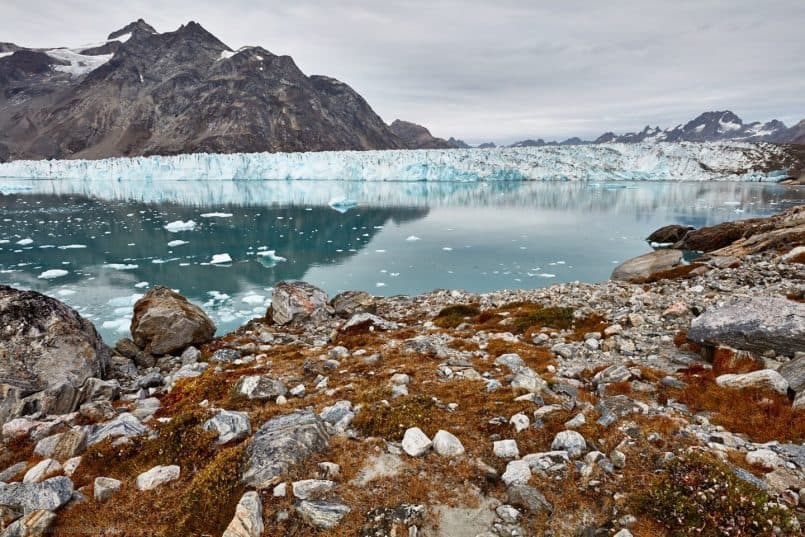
79, 64
685, 161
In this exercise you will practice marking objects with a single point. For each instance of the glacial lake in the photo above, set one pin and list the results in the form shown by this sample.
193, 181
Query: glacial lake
99, 246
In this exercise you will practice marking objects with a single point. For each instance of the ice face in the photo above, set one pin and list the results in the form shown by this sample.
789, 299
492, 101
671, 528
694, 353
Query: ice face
611, 162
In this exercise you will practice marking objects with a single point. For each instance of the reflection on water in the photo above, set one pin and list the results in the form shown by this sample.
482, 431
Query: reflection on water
99, 246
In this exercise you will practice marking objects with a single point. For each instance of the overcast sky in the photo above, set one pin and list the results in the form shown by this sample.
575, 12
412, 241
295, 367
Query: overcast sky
495, 70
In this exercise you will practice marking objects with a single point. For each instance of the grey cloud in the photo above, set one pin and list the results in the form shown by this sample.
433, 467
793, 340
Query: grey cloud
501, 70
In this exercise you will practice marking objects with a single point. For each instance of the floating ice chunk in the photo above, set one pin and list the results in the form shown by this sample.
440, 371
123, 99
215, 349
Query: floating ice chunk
546, 275
121, 266
179, 225
177, 242
220, 259
254, 299
269, 258
25, 242
124, 301
447, 249
342, 204
52, 274
72, 246
380, 251
121, 325
141, 285
216, 215
732, 203
380, 284
65, 292
4, 241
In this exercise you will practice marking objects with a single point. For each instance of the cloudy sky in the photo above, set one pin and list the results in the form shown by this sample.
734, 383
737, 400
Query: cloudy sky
503, 70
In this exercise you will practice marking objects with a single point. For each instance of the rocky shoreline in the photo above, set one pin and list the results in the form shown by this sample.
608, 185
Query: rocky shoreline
669, 400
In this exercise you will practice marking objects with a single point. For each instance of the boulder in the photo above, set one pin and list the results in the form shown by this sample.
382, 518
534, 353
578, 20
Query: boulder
415, 442
369, 319
156, 476
165, 322
281, 443
529, 499
44, 345
308, 488
230, 426
756, 324
259, 387
294, 302
669, 234
766, 379
126, 425
105, 487
248, 519
48, 495
63, 446
322, 514
42, 470
569, 441
129, 349
647, 267
349, 303
447, 445
794, 373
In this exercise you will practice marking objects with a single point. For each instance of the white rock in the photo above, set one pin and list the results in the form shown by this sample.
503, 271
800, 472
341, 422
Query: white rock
43, 470
415, 442
764, 458
577, 421
447, 445
156, 476
307, 488
569, 441
71, 465
400, 378
281, 490
248, 519
517, 473
506, 449
105, 487
765, 378
520, 422
229, 425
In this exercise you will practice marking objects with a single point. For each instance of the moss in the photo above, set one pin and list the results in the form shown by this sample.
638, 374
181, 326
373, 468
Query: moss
209, 502
700, 495
390, 421
452, 316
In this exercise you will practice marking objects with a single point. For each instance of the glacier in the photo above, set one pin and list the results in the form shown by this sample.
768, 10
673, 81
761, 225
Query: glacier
662, 161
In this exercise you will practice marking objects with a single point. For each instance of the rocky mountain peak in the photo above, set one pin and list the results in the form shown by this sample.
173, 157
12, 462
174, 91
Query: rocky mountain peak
137, 26
416, 136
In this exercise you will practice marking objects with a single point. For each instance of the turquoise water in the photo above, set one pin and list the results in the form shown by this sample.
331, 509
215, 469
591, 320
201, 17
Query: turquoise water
99, 246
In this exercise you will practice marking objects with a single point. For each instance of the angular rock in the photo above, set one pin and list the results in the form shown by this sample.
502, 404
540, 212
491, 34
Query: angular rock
130, 350
339, 415
669, 234
309, 488
259, 387
570, 441
165, 322
97, 411
764, 458
104, 488
279, 444
612, 374
71, 465
45, 345
125, 424
229, 425
415, 442
63, 446
321, 514
34, 524
12, 471
517, 473
447, 445
647, 267
225, 356
505, 449
764, 379
349, 303
794, 373
528, 498
369, 319
49, 495
527, 379
95, 389
42, 470
294, 302
156, 476
511, 360
248, 519
756, 324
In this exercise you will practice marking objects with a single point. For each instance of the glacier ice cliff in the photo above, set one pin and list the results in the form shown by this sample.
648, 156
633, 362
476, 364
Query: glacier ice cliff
605, 162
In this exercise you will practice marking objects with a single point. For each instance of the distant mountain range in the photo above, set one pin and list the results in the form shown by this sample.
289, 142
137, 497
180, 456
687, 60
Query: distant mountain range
141, 92
707, 127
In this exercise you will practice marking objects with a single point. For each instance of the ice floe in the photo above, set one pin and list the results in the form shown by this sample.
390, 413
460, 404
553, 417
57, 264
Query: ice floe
220, 259
53, 274
179, 225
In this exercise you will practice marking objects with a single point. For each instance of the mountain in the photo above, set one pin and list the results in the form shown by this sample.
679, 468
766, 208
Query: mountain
458, 144
707, 127
418, 137
141, 92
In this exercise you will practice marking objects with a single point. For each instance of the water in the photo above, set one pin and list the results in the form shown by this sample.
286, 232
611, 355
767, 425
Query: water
99, 245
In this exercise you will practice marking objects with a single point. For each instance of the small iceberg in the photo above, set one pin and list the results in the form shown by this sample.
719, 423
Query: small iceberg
412, 238
53, 274
220, 259
269, 258
121, 266
216, 215
25, 242
72, 246
342, 204
174, 244
179, 225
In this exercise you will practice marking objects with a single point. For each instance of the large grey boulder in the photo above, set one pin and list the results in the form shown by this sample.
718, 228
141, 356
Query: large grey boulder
756, 324
44, 346
765, 379
646, 267
165, 322
794, 373
294, 302
48, 495
281, 443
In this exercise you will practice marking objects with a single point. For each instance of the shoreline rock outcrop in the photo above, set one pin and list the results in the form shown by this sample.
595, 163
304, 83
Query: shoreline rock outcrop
165, 322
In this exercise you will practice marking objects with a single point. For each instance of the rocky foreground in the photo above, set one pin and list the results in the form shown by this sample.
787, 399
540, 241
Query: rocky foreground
667, 401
